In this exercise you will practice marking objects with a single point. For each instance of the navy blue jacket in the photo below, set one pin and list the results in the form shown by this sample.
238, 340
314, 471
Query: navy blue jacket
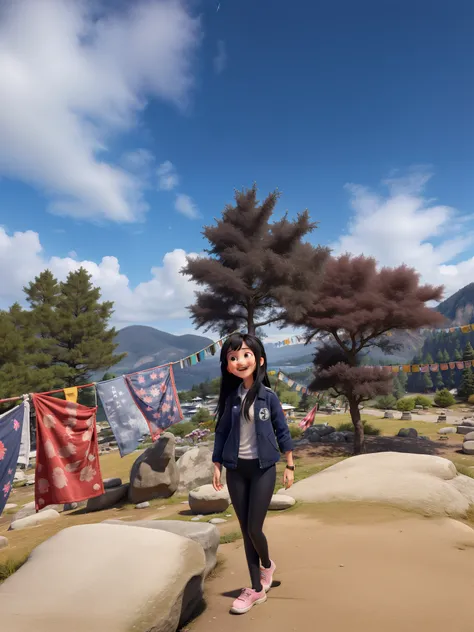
270, 426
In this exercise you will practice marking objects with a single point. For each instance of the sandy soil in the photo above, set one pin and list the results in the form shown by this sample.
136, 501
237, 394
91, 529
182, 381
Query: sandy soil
362, 570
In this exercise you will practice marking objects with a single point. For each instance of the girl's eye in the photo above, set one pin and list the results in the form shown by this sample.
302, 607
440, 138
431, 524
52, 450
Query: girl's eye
248, 355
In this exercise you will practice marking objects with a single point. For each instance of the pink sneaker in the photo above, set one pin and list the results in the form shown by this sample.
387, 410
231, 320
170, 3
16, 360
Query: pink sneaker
247, 600
266, 576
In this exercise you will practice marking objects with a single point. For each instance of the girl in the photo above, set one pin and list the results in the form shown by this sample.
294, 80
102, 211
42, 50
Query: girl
249, 415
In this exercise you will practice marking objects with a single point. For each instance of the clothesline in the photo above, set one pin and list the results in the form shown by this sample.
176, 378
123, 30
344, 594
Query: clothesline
57, 390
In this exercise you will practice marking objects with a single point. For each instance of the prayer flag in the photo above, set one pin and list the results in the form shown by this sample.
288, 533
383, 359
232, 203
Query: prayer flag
67, 455
123, 415
71, 394
11, 424
155, 394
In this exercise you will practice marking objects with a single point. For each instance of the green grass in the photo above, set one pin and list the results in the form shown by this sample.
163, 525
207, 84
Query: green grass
233, 536
10, 566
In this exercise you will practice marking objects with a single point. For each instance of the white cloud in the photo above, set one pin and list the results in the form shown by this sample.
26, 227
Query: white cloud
73, 78
405, 227
167, 176
220, 60
163, 297
185, 205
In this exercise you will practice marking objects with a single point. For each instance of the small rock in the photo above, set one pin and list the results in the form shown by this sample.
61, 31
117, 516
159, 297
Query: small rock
280, 502
464, 430
448, 430
26, 510
196, 518
205, 500
32, 521
469, 436
409, 433
3, 542
468, 447
10, 506
30, 479
70, 506
388, 414
442, 418
110, 483
19, 476
217, 521
107, 500
228, 515
406, 416
143, 505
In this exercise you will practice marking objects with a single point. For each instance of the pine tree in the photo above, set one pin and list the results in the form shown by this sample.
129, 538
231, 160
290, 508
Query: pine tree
466, 386
84, 340
249, 262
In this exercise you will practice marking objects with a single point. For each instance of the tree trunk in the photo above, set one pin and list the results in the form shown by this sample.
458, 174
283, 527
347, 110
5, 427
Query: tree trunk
359, 441
250, 320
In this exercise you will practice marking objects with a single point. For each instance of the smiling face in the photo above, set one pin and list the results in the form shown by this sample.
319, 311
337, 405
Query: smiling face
242, 363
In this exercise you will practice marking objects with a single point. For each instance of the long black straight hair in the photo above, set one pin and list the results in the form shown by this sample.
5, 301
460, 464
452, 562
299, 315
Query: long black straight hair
230, 383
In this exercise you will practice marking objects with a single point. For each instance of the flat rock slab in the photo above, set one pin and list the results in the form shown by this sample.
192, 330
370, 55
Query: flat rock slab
281, 501
123, 579
109, 499
205, 534
205, 500
418, 482
448, 430
143, 505
469, 436
464, 430
10, 506
36, 519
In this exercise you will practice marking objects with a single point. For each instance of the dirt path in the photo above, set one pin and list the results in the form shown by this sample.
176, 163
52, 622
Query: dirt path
381, 571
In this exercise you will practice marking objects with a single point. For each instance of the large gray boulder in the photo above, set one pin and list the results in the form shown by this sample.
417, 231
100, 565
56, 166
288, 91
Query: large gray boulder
34, 520
469, 437
205, 534
155, 473
205, 500
418, 482
101, 577
196, 469
108, 499
464, 430
448, 430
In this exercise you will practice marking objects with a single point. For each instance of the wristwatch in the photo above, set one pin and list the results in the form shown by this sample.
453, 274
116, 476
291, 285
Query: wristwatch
291, 468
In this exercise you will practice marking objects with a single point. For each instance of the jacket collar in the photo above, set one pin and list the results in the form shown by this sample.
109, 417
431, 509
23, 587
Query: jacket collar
262, 393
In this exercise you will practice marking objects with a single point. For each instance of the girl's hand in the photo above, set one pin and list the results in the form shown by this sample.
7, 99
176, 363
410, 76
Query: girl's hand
288, 478
216, 479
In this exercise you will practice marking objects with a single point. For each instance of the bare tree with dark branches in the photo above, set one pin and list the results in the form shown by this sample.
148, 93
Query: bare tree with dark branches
248, 262
357, 307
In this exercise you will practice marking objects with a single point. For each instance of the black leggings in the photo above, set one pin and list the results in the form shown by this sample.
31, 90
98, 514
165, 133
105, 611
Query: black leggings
251, 490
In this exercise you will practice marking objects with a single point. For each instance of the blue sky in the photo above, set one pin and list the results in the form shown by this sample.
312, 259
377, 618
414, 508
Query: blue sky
124, 131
